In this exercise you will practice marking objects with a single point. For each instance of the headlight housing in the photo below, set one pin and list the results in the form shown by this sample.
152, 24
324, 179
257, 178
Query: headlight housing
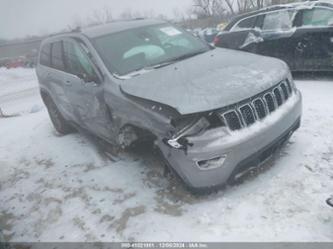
194, 127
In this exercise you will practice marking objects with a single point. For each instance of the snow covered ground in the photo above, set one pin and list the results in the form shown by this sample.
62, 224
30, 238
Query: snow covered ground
56, 188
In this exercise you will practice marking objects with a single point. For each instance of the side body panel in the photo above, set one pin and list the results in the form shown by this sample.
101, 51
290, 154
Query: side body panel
314, 49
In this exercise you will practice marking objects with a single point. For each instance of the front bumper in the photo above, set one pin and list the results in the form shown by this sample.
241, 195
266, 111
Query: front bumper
243, 149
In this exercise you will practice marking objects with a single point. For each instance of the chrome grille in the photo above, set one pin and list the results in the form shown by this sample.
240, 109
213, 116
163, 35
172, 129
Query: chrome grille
284, 90
270, 102
278, 96
232, 120
260, 108
257, 108
290, 90
247, 114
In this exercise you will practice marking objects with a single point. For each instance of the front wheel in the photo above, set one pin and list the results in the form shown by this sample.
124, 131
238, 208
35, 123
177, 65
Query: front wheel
60, 124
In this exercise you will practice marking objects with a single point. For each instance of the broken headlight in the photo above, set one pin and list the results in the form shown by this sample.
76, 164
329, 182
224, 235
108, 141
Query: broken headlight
178, 140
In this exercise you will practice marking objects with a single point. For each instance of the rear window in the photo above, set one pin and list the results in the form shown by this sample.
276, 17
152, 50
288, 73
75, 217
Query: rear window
45, 55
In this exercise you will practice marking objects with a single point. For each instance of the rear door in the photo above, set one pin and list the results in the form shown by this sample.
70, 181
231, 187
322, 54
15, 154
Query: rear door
85, 90
314, 40
50, 71
57, 79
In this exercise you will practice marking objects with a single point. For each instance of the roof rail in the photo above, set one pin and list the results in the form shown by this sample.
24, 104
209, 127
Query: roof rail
75, 30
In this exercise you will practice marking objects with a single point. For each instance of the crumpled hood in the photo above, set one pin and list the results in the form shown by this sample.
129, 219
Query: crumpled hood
208, 81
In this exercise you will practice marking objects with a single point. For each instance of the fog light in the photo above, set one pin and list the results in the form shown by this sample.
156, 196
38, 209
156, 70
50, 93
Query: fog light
211, 163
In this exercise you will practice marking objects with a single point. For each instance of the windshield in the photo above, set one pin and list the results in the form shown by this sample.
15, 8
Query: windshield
144, 47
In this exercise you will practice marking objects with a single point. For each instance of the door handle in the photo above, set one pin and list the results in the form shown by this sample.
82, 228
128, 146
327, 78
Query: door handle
300, 46
91, 84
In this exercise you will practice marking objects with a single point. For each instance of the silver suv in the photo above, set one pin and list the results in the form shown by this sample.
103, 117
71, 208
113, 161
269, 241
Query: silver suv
212, 113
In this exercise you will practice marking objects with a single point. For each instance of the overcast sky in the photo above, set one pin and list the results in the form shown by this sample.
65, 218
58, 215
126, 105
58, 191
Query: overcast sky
19, 18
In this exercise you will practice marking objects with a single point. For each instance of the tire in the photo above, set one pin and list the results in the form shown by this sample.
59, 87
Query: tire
59, 122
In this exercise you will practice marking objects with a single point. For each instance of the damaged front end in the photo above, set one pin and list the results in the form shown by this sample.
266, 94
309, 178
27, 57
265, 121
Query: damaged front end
189, 126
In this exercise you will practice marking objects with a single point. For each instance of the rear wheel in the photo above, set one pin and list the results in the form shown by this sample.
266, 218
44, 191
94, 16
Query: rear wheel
59, 122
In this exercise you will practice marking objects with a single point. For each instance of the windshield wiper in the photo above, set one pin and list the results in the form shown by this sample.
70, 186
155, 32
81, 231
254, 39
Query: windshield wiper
179, 58
173, 60
141, 70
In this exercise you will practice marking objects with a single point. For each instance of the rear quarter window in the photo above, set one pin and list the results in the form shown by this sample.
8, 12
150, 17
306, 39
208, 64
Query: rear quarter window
45, 55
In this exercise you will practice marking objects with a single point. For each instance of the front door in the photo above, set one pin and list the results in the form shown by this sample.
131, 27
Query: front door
85, 90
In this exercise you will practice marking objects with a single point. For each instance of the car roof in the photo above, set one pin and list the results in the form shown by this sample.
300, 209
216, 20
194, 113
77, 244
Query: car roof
109, 28
298, 5
118, 26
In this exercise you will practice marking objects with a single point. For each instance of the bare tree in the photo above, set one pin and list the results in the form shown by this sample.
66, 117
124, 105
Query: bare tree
100, 16
219, 8
260, 4
77, 23
97, 17
129, 14
203, 8
241, 6
208, 8
230, 4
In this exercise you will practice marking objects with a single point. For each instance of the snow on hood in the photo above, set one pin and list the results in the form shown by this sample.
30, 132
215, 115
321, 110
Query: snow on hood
208, 81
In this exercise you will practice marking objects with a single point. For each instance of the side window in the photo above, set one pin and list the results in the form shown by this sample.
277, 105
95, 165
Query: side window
57, 60
77, 61
45, 55
278, 20
318, 17
247, 23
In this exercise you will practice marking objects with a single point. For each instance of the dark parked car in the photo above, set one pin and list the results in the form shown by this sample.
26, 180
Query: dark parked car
301, 34
208, 34
212, 113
